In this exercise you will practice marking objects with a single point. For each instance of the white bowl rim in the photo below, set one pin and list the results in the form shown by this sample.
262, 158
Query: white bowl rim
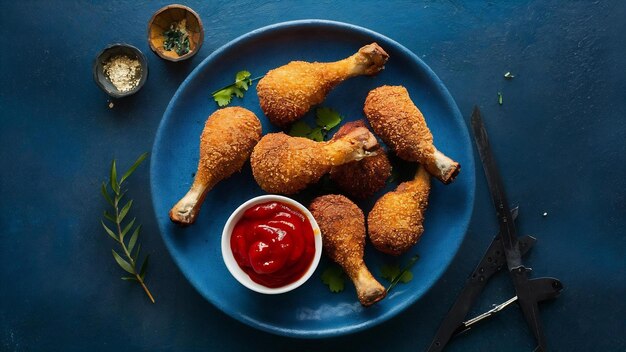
239, 274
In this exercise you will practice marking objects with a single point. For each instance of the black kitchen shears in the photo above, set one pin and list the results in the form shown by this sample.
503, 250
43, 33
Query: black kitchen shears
506, 248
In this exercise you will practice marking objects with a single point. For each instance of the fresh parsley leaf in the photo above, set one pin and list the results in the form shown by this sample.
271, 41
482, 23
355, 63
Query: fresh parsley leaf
394, 274
334, 277
299, 129
317, 134
406, 277
327, 118
223, 97
242, 82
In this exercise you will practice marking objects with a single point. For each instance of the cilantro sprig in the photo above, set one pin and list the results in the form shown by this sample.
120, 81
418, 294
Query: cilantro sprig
334, 277
394, 274
224, 95
325, 120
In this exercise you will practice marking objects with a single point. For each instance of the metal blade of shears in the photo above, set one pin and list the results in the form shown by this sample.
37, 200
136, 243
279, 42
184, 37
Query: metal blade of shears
496, 188
526, 299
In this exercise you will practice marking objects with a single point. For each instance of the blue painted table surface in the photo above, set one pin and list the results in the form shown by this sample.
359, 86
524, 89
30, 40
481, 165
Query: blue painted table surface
559, 137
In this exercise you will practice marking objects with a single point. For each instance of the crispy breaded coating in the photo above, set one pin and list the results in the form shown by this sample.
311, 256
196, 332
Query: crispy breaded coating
401, 125
395, 223
361, 179
286, 93
343, 235
226, 142
286, 165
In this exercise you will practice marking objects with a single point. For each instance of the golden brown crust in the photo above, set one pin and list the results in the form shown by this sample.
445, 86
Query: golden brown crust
286, 165
361, 179
286, 93
401, 125
395, 223
343, 236
226, 142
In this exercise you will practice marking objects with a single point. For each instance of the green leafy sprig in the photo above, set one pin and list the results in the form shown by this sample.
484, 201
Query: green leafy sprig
325, 120
130, 249
243, 81
394, 274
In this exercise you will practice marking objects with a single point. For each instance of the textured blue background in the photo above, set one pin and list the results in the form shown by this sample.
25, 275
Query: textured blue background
560, 139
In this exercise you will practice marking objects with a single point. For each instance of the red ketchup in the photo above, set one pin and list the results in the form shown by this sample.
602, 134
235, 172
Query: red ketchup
273, 243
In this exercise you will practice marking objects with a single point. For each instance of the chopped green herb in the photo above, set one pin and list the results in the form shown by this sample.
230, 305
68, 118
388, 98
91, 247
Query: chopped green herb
509, 75
176, 38
242, 82
334, 277
499, 98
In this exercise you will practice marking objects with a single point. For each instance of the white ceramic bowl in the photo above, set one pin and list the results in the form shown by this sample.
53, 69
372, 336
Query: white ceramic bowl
231, 263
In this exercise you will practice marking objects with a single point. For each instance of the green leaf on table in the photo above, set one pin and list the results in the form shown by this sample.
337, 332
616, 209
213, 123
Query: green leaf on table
133, 238
125, 210
127, 228
144, 267
129, 278
114, 185
109, 217
500, 98
105, 194
132, 169
109, 231
334, 277
122, 263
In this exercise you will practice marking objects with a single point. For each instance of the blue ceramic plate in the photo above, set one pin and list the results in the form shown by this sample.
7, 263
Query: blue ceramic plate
312, 310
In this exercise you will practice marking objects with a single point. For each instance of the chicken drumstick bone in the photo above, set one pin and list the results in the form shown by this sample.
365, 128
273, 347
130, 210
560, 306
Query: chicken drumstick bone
226, 142
343, 235
401, 125
288, 92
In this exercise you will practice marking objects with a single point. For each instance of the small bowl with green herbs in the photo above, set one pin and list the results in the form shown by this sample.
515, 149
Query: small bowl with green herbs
175, 32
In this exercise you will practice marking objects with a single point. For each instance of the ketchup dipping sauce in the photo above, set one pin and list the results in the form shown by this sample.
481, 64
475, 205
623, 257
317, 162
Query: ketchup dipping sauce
273, 241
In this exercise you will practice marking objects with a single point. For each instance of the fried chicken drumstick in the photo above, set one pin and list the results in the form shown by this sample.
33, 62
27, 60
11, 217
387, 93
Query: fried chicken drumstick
287, 165
288, 92
225, 144
401, 125
395, 223
343, 234
361, 179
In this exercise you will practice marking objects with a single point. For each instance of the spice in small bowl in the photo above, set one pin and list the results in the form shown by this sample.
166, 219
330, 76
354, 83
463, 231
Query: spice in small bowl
120, 70
175, 32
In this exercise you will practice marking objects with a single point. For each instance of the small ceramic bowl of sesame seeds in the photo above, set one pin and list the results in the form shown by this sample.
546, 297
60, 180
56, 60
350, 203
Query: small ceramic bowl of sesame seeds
120, 70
